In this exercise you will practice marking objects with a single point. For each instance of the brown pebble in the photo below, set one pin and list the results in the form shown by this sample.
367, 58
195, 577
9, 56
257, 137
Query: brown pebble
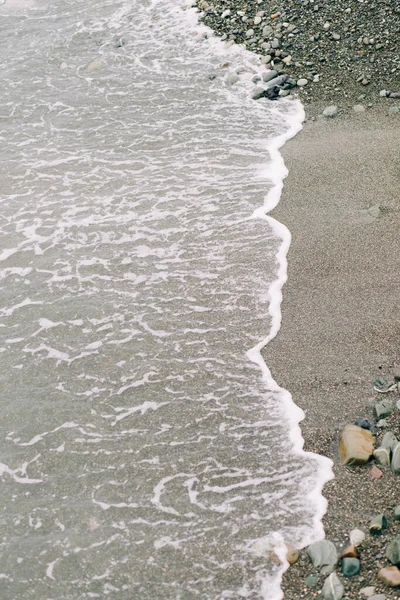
349, 552
292, 555
375, 473
356, 445
390, 576
275, 15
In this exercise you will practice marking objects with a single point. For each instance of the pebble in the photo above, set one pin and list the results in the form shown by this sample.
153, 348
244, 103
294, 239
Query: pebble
390, 576
311, 581
232, 78
256, 79
382, 456
333, 588
365, 81
359, 108
323, 555
376, 473
383, 409
336, 36
378, 597
394, 110
302, 82
378, 524
287, 60
330, 111
375, 211
397, 513
257, 20
350, 567
368, 591
292, 555
356, 445
265, 60
268, 75
389, 441
249, 33
357, 537
349, 552
393, 551
395, 464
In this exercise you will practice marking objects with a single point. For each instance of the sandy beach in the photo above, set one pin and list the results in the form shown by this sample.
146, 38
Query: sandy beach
341, 311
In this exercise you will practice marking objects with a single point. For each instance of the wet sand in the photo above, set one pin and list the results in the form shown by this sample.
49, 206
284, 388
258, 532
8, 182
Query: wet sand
341, 308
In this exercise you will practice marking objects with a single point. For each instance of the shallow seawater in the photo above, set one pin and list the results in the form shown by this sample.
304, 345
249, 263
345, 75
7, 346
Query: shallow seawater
142, 453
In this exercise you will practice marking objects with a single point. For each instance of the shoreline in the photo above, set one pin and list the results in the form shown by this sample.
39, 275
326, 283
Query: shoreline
341, 315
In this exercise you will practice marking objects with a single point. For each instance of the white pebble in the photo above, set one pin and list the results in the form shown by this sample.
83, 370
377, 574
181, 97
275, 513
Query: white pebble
357, 537
327, 25
368, 591
257, 20
302, 82
331, 111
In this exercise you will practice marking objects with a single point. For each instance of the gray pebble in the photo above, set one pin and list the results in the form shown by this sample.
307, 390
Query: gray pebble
359, 108
302, 82
394, 110
330, 111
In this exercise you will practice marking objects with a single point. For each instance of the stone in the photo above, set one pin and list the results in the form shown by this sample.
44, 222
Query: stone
390, 576
350, 567
393, 551
265, 60
376, 473
365, 81
249, 33
292, 555
378, 597
397, 513
333, 588
394, 110
95, 65
378, 524
232, 79
367, 591
275, 43
323, 556
330, 111
385, 407
356, 445
287, 60
336, 36
302, 82
395, 464
382, 424
389, 441
311, 581
257, 20
256, 79
359, 108
357, 537
364, 423
375, 211
382, 456
349, 552
268, 75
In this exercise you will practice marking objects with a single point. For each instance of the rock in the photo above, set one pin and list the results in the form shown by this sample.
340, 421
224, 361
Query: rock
382, 424
336, 36
311, 581
357, 537
356, 445
275, 43
396, 372
268, 75
349, 552
257, 20
350, 567
323, 556
266, 59
395, 464
382, 456
383, 93
249, 33
394, 110
358, 108
375, 211
287, 60
333, 588
302, 82
330, 111
256, 79
390, 576
365, 81
95, 65
378, 524
397, 513
367, 591
393, 551
376, 473
385, 407
389, 441
292, 555
232, 79
363, 423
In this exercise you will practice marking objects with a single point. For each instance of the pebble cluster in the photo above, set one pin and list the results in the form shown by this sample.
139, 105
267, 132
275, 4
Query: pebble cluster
332, 50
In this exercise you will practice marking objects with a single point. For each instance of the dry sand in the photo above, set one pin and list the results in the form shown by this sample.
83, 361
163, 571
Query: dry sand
341, 310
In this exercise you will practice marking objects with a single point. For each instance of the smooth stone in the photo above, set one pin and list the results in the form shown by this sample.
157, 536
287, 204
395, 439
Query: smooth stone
350, 552
350, 567
368, 591
265, 60
389, 441
382, 456
302, 82
394, 110
333, 588
397, 513
292, 555
256, 79
275, 43
357, 537
311, 581
257, 20
336, 36
378, 524
249, 33
267, 31
359, 108
258, 92
395, 464
382, 424
363, 423
376, 473
356, 445
375, 211
268, 75
323, 556
330, 111
390, 576
287, 60
385, 407
232, 79
393, 551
